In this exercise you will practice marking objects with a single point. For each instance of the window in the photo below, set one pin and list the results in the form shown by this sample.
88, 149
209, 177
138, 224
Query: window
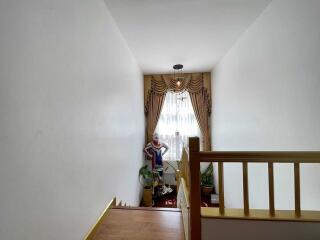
177, 123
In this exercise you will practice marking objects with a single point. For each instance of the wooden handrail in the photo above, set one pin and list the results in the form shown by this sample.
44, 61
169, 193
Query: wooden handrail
259, 156
245, 157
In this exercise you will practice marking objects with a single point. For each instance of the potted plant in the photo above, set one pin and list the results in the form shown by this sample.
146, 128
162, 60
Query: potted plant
147, 177
206, 180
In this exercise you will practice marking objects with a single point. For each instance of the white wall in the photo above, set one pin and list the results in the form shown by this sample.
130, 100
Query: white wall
266, 97
71, 118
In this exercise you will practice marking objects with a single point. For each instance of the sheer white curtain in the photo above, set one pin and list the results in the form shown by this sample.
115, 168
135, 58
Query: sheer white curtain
177, 122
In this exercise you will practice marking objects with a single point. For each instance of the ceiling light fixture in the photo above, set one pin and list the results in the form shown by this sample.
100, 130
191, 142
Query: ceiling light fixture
178, 74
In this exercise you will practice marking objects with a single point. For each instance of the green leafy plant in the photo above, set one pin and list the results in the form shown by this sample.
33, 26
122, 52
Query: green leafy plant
147, 176
206, 178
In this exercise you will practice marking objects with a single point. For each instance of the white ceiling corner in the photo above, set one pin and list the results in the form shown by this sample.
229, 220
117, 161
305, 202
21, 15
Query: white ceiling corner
195, 33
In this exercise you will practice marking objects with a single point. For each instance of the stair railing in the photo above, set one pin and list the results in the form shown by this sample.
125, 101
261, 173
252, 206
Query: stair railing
183, 185
196, 157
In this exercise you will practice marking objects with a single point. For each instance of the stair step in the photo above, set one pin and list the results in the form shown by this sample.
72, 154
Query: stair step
149, 208
141, 223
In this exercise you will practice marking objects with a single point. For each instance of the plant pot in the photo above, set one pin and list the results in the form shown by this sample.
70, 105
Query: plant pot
147, 197
207, 190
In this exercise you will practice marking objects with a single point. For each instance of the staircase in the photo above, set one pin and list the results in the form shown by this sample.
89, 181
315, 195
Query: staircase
139, 223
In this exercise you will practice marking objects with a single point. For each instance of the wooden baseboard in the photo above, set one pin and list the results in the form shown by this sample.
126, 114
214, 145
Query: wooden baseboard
149, 209
104, 214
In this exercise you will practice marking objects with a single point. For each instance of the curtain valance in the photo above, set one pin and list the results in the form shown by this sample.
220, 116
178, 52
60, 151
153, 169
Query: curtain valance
163, 83
192, 82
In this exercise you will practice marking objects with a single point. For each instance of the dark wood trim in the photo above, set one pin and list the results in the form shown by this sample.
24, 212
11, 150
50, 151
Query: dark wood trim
245, 188
195, 191
297, 189
221, 187
271, 189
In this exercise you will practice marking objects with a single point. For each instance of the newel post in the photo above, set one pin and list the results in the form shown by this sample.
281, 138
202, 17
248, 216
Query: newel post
195, 191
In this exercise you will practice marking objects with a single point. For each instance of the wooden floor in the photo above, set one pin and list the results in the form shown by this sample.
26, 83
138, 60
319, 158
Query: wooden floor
141, 224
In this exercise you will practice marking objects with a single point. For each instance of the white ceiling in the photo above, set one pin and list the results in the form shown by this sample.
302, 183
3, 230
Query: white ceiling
195, 33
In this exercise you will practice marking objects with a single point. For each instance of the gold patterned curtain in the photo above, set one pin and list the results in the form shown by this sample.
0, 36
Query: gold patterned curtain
153, 110
199, 87
202, 109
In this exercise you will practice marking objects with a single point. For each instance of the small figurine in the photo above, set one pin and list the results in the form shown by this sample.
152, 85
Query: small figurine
154, 151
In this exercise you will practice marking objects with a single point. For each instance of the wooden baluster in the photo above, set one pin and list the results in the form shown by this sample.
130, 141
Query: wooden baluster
245, 188
297, 188
195, 191
271, 188
221, 188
